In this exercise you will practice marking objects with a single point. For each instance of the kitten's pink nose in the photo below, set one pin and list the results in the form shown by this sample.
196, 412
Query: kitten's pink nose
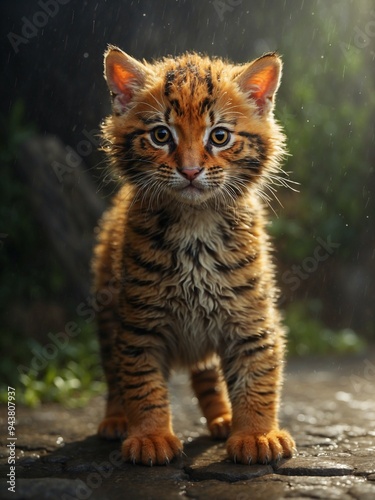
190, 173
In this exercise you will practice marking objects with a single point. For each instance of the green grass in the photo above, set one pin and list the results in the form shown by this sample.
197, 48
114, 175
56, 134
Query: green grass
309, 336
72, 377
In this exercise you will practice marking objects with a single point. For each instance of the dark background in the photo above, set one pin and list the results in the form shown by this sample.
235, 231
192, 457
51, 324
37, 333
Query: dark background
53, 98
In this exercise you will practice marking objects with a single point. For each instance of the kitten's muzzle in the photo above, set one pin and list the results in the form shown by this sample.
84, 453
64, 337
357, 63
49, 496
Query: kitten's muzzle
190, 173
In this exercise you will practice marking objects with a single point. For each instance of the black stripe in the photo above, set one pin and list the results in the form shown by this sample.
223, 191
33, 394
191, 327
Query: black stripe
169, 79
132, 351
212, 391
157, 230
137, 330
134, 386
172, 146
208, 78
266, 393
129, 138
155, 235
193, 250
252, 339
141, 332
208, 147
138, 304
176, 106
256, 142
264, 371
139, 373
250, 163
129, 364
205, 105
239, 145
231, 381
204, 378
254, 139
136, 281
225, 234
154, 407
212, 118
255, 350
167, 114
225, 268
250, 285
139, 397
149, 266
265, 404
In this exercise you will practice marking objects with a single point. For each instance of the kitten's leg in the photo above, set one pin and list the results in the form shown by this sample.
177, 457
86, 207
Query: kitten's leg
211, 391
113, 425
150, 440
253, 371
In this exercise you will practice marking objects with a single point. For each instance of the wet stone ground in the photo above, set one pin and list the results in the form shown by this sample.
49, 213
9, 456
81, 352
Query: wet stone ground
329, 406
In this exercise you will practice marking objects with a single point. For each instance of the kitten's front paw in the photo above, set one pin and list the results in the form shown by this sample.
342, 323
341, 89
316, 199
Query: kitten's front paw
246, 448
112, 427
220, 427
151, 449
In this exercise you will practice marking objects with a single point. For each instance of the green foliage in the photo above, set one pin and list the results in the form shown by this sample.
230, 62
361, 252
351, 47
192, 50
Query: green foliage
328, 119
326, 104
309, 336
71, 377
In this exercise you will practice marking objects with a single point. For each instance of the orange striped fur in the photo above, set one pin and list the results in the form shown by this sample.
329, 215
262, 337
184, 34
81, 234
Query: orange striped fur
185, 254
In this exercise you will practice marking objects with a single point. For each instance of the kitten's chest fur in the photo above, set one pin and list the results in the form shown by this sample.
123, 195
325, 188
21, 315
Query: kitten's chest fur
200, 251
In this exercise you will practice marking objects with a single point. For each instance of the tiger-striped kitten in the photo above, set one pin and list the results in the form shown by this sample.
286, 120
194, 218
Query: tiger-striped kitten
185, 254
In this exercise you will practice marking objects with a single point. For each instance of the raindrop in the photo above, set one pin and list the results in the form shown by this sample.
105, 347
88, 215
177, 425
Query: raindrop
86, 55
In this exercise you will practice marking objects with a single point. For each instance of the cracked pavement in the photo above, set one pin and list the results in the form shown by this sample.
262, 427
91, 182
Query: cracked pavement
328, 405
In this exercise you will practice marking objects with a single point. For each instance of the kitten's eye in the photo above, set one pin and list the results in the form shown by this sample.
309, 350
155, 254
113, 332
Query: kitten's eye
161, 135
220, 137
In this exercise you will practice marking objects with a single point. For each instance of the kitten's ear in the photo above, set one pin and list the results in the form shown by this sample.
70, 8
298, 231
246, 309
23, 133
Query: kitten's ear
260, 81
124, 76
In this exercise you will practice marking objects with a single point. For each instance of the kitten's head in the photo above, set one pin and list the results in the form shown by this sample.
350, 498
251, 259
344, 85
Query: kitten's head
193, 129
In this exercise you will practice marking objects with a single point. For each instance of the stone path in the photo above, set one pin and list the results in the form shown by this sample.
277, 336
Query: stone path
329, 406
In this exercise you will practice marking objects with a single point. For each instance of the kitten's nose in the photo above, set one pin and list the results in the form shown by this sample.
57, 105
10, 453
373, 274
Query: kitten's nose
190, 173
